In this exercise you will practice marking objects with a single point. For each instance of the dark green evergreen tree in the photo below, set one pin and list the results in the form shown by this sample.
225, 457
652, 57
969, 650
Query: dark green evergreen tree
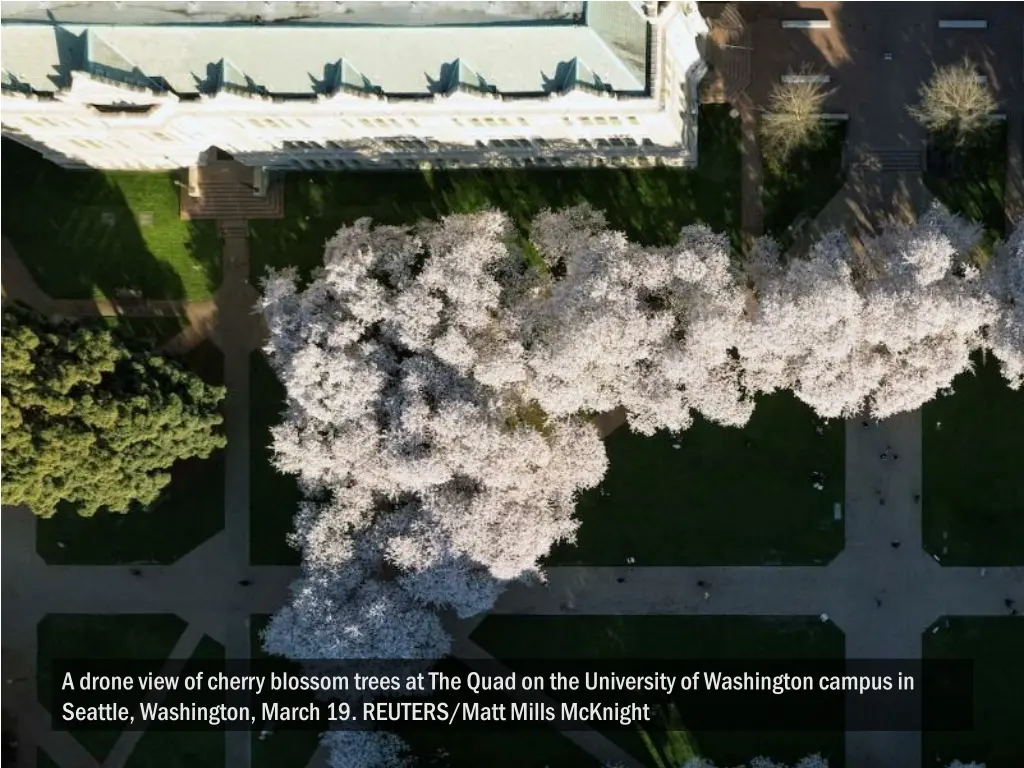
90, 421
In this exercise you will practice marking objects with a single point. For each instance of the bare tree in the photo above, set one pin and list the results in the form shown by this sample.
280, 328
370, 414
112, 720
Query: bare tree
955, 101
793, 117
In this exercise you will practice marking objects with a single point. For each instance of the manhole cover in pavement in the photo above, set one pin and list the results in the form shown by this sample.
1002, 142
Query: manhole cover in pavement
146, 219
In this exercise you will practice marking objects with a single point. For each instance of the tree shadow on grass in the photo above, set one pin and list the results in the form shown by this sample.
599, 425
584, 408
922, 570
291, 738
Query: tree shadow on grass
970, 179
86, 234
649, 205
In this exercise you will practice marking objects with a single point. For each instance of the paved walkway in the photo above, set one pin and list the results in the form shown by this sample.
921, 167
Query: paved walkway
199, 317
913, 589
203, 587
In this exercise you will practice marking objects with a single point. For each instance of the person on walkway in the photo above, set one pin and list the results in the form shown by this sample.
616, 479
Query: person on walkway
894, 544
135, 572
245, 582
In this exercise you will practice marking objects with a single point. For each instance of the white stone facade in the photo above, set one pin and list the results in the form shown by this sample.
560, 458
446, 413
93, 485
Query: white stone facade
120, 105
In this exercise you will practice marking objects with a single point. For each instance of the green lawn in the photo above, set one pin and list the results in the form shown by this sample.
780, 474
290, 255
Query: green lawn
973, 498
433, 749
725, 496
994, 645
147, 332
189, 512
537, 748
971, 180
273, 498
802, 185
282, 748
650, 205
679, 637
80, 636
183, 749
86, 234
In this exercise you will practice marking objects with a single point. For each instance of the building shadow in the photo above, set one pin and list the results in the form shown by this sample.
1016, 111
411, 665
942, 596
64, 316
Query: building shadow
649, 204
87, 236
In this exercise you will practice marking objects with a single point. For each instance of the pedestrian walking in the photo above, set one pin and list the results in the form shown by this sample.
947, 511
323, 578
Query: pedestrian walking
894, 544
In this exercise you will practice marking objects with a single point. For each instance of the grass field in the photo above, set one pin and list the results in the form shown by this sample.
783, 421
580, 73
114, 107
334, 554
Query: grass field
994, 646
274, 498
183, 749
678, 637
89, 234
190, 510
80, 636
724, 496
802, 185
649, 205
973, 497
971, 180
535, 748
284, 747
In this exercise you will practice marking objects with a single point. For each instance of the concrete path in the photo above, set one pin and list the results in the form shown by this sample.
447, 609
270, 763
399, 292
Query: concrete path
883, 590
198, 317
214, 588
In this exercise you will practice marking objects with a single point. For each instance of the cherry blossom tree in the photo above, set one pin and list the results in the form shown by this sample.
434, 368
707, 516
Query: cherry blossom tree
877, 326
441, 380
1005, 277
647, 329
366, 749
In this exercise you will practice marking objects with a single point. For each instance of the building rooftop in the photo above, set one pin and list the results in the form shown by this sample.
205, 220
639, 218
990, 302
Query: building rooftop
390, 13
417, 53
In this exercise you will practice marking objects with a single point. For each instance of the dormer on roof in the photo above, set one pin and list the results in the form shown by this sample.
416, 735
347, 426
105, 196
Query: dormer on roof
224, 78
105, 62
580, 77
342, 79
11, 83
231, 79
462, 78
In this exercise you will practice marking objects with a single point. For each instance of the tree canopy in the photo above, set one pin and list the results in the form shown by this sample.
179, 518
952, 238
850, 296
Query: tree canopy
956, 102
440, 380
92, 422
